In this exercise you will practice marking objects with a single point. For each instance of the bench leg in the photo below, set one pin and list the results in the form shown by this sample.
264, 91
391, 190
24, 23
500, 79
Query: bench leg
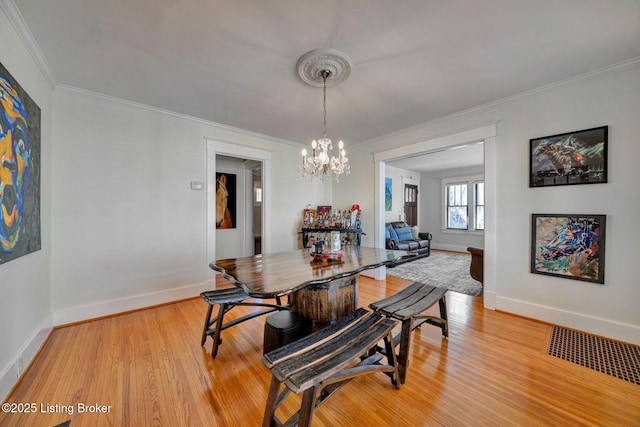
207, 321
272, 399
392, 360
222, 309
308, 406
442, 302
405, 346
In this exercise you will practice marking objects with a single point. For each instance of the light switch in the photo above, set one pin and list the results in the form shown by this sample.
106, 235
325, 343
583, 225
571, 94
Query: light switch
197, 185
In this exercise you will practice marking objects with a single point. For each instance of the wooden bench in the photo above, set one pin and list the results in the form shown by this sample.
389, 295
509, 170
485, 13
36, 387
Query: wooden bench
408, 306
321, 363
226, 299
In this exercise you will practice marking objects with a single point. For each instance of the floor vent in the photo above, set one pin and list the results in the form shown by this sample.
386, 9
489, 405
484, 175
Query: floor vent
601, 354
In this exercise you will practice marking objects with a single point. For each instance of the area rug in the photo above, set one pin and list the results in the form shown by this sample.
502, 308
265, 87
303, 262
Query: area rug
443, 269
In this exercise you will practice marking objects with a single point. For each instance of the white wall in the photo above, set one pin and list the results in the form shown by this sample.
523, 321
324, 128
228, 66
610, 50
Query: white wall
25, 308
129, 231
612, 98
399, 177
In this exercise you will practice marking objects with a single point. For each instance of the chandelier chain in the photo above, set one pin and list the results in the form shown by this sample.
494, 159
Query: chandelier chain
324, 74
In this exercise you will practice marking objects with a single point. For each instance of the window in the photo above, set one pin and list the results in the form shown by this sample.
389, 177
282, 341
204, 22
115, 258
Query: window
457, 212
479, 204
463, 205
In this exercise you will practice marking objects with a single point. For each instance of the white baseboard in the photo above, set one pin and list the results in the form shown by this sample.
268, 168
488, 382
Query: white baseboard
453, 248
121, 305
14, 370
11, 373
489, 299
594, 325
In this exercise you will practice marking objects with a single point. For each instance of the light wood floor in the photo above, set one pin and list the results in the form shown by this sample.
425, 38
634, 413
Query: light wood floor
148, 367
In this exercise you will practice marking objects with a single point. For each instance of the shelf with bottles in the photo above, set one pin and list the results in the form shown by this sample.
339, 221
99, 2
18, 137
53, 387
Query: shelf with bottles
326, 217
317, 224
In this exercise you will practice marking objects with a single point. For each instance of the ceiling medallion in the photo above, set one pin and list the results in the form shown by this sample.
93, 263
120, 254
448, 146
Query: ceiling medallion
312, 63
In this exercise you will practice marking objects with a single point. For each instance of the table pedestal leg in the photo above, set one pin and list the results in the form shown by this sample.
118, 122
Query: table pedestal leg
322, 304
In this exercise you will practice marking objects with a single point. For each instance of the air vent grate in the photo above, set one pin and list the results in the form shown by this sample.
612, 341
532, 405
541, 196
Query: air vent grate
601, 354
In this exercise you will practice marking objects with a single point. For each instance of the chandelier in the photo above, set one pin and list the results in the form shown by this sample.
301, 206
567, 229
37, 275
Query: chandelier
319, 68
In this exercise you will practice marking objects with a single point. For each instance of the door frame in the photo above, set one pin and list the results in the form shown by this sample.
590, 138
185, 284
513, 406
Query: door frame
215, 147
486, 133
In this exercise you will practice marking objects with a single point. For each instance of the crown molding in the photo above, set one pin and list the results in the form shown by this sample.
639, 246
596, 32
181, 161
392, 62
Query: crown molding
18, 22
115, 100
624, 65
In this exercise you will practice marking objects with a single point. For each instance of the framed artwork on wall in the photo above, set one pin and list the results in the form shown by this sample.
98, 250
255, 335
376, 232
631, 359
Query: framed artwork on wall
20, 232
569, 246
570, 158
388, 194
225, 200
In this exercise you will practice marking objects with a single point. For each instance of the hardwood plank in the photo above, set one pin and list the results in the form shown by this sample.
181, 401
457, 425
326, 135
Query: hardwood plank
149, 367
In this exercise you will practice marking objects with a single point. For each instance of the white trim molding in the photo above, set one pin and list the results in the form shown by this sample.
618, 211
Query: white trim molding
579, 321
11, 373
18, 22
122, 305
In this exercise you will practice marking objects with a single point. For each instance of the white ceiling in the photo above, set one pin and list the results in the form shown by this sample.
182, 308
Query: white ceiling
233, 62
453, 158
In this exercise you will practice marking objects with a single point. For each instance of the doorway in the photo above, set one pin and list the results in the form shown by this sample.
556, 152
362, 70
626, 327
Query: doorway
487, 135
215, 237
411, 204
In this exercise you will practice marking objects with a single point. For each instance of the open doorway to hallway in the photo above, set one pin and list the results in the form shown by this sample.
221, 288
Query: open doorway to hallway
242, 161
241, 234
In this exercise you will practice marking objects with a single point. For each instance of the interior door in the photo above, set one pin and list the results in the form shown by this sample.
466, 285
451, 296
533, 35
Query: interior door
411, 204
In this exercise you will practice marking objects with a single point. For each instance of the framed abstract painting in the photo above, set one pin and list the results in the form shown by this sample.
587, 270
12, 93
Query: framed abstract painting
570, 158
388, 194
569, 246
20, 232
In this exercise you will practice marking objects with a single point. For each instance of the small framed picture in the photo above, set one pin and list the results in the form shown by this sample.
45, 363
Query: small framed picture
570, 158
569, 246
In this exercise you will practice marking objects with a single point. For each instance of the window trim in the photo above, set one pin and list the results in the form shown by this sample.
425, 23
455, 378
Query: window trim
475, 206
446, 206
470, 180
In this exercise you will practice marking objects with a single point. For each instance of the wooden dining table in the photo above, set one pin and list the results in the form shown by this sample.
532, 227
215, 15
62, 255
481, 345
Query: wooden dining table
320, 290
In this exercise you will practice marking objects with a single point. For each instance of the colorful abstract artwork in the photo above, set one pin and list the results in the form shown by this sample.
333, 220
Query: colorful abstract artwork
388, 194
569, 158
225, 200
19, 170
570, 246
